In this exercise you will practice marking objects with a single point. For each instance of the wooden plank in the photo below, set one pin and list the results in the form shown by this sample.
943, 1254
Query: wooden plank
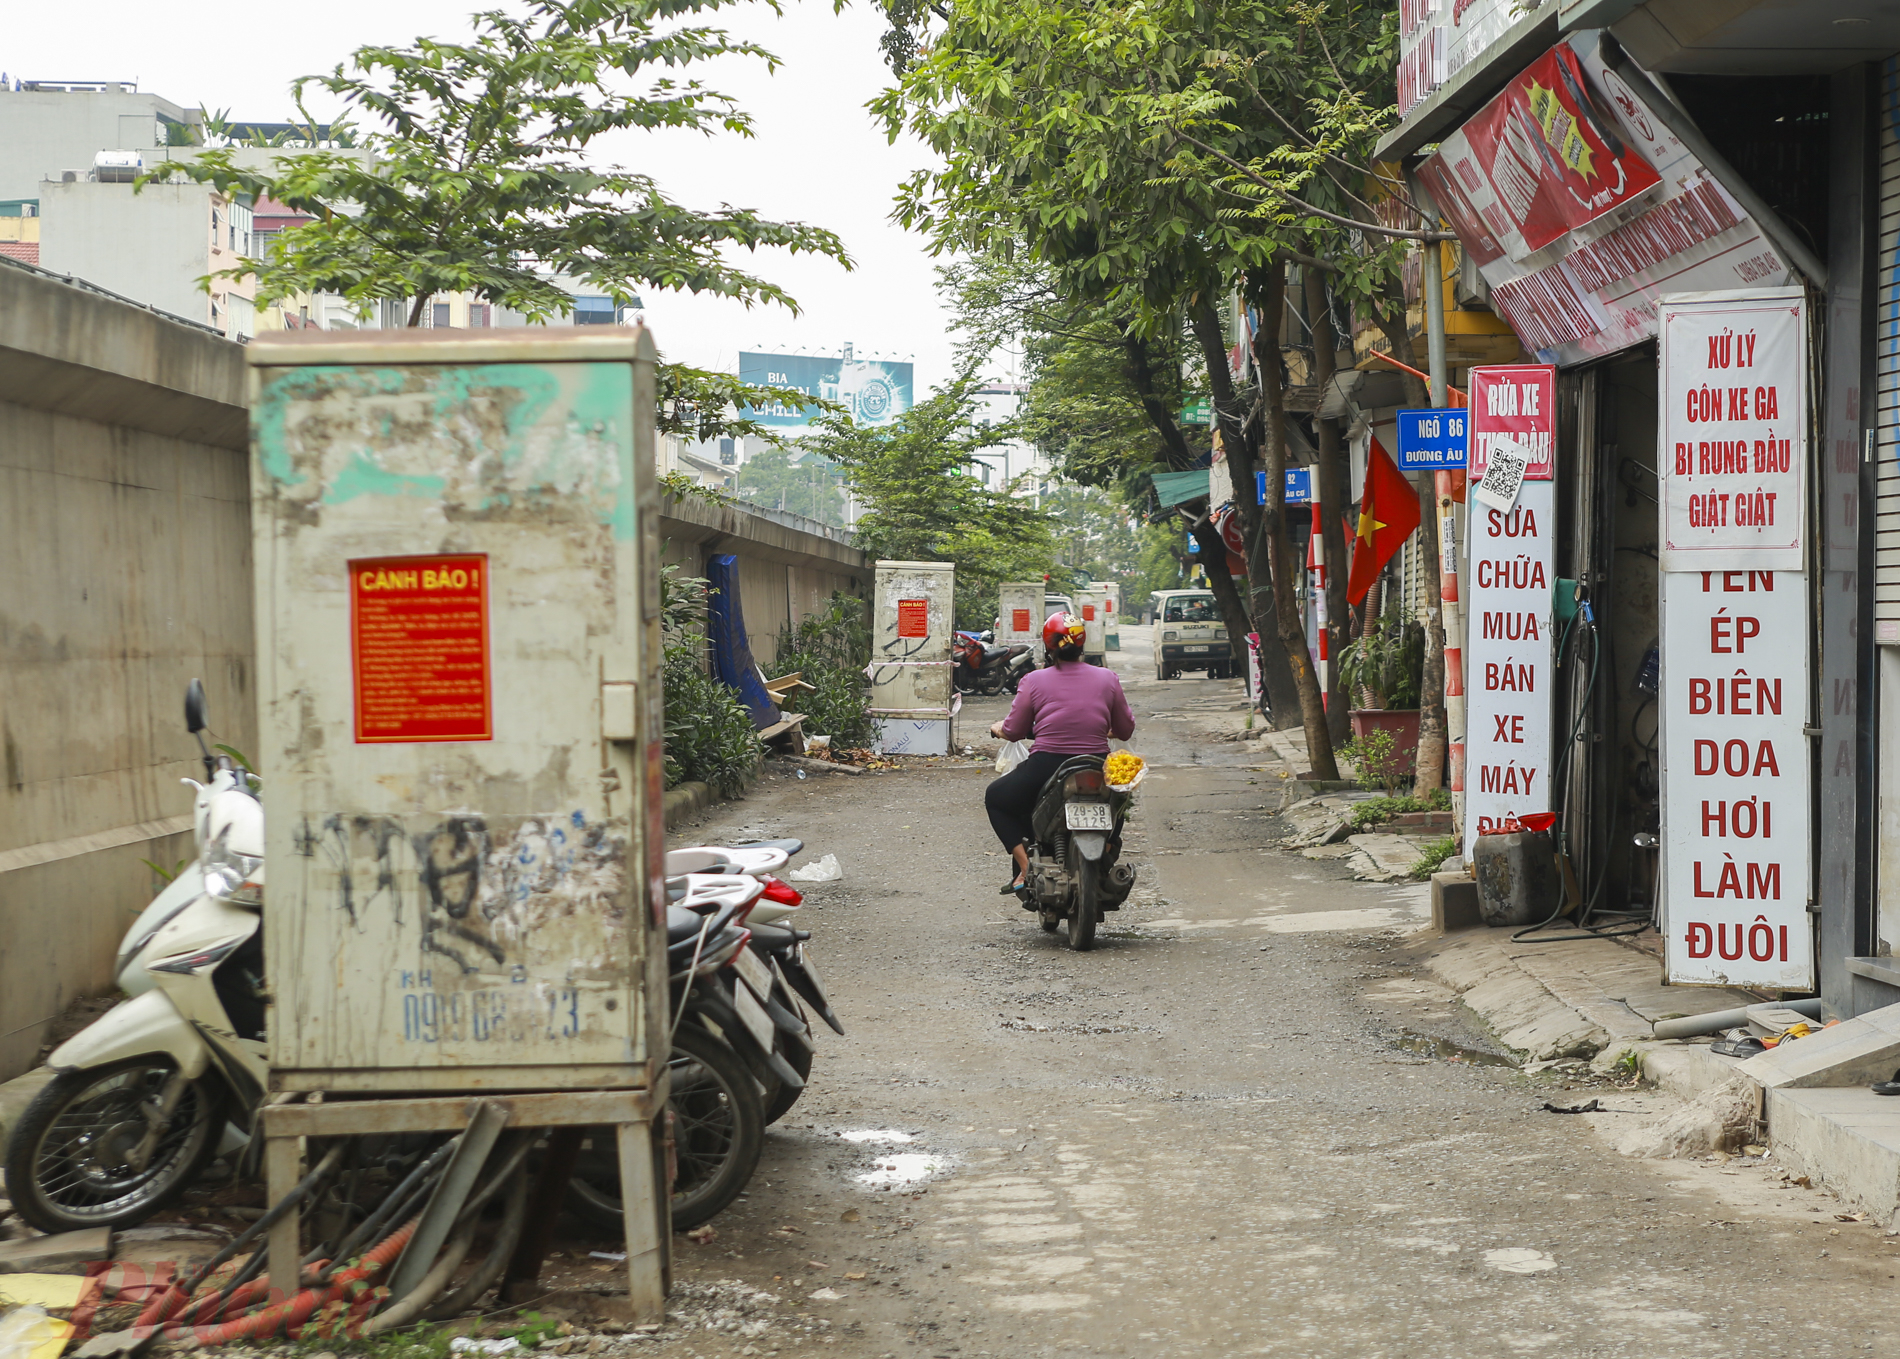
451, 1113
283, 1166
790, 722
398, 1082
643, 1210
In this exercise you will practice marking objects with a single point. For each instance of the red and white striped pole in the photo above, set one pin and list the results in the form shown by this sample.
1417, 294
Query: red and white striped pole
1449, 489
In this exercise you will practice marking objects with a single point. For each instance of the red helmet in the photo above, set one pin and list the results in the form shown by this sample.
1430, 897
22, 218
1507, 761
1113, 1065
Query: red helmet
1062, 635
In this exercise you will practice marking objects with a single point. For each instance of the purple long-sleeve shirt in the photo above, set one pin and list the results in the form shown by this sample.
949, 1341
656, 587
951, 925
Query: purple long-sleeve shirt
1071, 708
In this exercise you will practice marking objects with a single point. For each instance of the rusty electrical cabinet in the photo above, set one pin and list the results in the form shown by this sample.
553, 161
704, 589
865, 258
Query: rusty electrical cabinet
458, 654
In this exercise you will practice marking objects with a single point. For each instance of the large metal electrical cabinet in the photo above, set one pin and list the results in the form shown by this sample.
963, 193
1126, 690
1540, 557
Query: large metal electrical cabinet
458, 647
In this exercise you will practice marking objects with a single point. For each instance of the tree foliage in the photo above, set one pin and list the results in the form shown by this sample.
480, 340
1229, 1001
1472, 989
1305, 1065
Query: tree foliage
473, 173
776, 479
924, 504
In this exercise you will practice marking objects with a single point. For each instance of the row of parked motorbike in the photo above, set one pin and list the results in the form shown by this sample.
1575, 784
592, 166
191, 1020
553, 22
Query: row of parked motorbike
170, 1079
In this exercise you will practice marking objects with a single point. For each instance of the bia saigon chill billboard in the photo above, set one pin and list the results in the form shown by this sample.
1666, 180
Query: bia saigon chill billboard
873, 391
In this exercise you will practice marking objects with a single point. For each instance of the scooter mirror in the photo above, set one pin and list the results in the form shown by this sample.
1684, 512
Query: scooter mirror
195, 707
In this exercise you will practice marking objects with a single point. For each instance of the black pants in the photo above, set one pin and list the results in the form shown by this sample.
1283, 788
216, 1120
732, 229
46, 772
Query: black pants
1011, 799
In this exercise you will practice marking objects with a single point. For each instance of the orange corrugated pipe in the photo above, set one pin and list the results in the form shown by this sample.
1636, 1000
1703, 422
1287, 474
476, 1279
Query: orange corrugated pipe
290, 1314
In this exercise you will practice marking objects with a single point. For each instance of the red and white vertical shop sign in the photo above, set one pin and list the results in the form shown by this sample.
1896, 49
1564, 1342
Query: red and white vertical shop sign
1736, 847
1734, 430
1507, 653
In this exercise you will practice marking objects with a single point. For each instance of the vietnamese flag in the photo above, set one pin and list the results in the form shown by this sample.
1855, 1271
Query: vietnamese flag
1388, 512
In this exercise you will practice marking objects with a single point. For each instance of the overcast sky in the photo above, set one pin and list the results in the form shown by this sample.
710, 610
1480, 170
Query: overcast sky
817, 157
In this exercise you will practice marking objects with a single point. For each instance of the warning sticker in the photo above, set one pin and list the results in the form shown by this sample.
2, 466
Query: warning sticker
419, 647
1019, 620
913, 618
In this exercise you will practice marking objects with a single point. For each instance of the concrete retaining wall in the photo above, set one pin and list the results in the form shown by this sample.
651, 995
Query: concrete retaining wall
125, 570
789, 566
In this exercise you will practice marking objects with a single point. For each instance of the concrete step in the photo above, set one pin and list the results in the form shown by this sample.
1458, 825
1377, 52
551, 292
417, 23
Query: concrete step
1855, 1052
1846, 1140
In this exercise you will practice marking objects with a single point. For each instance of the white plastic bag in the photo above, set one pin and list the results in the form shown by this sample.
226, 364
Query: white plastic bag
29, 1333
1012, 755
826, 869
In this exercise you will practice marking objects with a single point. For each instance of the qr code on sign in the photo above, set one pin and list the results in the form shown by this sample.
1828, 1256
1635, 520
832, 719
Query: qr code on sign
1503, 475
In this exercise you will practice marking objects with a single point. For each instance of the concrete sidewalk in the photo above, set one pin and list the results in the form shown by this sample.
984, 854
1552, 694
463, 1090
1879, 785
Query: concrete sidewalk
1595, 999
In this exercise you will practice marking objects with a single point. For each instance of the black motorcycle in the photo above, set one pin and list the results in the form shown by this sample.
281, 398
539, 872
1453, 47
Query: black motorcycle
1075, 869
980, 666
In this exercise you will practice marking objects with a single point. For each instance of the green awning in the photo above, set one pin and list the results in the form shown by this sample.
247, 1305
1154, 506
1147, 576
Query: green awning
1175, 488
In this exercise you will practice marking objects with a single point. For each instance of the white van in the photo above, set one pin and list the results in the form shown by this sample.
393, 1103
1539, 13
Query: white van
1189, 634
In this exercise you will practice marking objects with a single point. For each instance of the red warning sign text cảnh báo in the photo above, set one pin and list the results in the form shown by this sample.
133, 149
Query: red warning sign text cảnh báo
419, 648
913, 618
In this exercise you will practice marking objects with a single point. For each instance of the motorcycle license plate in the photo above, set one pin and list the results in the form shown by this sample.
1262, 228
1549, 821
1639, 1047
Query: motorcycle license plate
1090, 816
754, 973
1193, 648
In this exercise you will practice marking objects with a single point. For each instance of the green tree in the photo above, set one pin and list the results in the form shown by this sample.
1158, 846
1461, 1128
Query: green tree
477, 176
923, 503
1152, 158
780, 479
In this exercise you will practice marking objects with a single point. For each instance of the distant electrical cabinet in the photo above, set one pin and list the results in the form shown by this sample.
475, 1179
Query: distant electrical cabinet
1020, 613
1092, 600
458, 642
912, 615
1111, 627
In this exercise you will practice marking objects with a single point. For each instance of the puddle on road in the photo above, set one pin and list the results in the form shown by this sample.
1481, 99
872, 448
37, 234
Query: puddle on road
886, 1136
1430, 1045
901, 1169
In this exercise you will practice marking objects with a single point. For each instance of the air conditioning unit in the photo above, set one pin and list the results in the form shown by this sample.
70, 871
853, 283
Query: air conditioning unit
117, 167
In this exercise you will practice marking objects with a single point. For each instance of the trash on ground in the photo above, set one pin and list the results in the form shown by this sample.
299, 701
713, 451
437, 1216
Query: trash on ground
1588, 1107
464, 1344
703, 1234
28, 1333
1519, 1260
41, 1290
615, 1255
826, 869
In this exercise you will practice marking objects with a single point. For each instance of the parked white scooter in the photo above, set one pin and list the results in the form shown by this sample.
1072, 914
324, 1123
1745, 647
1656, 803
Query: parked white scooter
139, 1102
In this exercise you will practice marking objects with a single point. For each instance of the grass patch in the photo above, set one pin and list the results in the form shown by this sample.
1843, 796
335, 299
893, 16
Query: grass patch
1435, 854
1377, 809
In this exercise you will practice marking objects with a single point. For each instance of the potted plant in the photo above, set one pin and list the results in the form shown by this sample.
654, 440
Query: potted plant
1384, 670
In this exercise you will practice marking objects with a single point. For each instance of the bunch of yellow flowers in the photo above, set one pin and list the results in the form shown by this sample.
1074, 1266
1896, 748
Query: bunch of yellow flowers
1122, 766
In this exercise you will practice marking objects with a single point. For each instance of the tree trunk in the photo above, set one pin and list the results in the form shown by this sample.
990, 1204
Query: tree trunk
1332, 472
1282, 565
1276, 672
1431, 689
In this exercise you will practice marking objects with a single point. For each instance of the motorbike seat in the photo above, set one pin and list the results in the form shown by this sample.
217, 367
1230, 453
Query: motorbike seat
682, 924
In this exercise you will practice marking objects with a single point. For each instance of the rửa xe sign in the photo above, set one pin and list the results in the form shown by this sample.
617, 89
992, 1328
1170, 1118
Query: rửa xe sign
1736, 640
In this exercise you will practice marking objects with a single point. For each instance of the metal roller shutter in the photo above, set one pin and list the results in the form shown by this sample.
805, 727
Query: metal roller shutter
1887, 366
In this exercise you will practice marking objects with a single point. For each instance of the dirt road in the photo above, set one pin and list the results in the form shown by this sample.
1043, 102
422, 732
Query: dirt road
1204, 1138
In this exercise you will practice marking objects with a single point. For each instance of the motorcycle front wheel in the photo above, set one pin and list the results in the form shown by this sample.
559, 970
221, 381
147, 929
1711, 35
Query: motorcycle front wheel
69, 1158
718, 1130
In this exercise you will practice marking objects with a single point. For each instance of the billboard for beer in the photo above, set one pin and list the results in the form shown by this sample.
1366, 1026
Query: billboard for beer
872, 391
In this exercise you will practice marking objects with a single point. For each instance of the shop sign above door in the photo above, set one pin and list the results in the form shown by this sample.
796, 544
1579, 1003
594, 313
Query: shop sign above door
1581, 209
1733, 393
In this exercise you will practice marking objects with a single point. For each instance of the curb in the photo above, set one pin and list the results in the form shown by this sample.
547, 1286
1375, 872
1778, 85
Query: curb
687, 799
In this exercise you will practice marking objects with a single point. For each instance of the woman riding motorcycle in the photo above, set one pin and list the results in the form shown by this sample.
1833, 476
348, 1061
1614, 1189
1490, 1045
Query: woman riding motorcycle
1070, 708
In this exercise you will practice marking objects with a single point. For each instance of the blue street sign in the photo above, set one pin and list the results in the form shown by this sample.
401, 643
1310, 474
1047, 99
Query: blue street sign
1299, 486
1433, 441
